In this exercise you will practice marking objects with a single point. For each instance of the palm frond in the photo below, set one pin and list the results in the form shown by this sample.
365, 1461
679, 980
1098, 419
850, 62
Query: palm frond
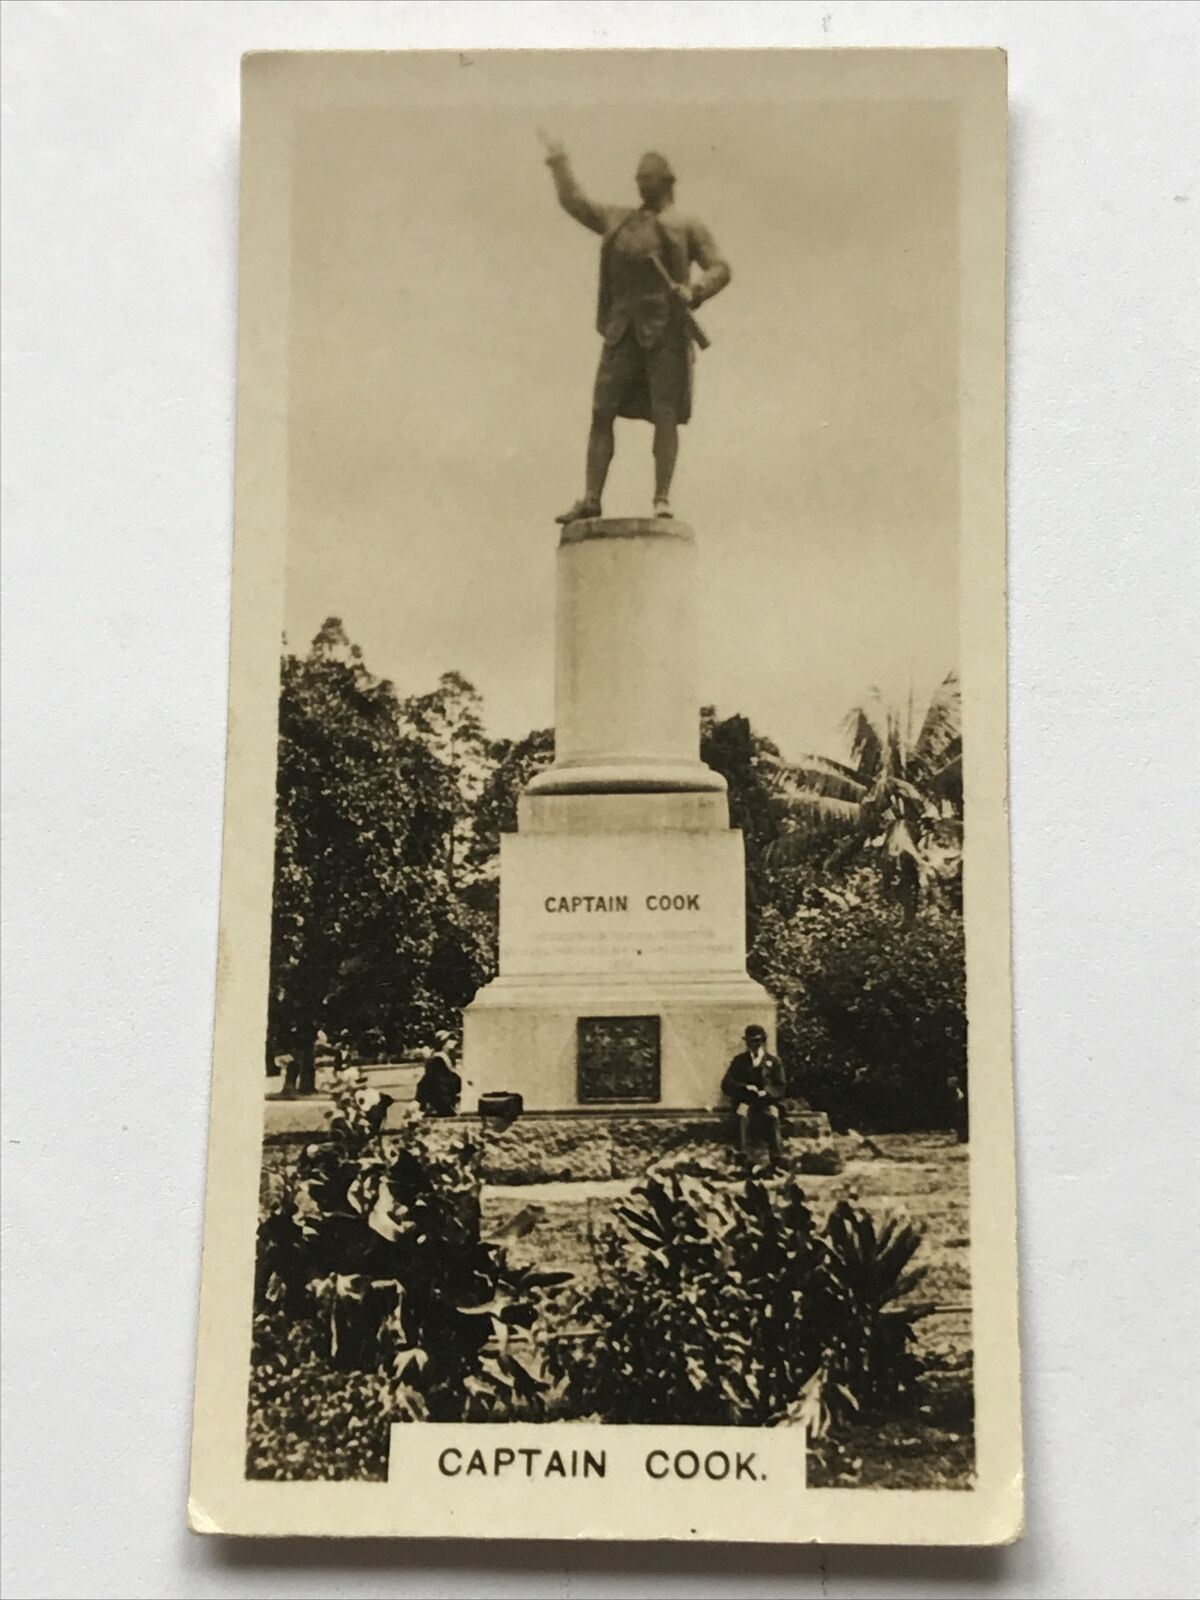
818, 775
900, 788
773, 771
945, 781
811, 817
942, 725
809, 812
867, 726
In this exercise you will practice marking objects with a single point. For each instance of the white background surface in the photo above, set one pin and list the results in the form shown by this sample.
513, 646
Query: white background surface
120, 148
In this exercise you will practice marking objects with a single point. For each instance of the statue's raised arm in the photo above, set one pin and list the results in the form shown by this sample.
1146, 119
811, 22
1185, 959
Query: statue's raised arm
575, 203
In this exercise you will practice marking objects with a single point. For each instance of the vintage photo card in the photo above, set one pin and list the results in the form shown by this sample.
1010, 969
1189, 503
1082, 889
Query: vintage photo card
611, 1120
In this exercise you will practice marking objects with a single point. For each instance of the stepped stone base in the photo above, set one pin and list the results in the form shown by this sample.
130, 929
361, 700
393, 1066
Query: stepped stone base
573, 1147
579, 1146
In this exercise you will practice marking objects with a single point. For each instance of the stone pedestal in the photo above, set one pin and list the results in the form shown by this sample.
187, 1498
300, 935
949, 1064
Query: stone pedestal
625, 706
622, 894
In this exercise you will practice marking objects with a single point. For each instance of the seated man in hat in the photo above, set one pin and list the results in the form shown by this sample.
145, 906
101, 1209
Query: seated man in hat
755, 1085
440, 1086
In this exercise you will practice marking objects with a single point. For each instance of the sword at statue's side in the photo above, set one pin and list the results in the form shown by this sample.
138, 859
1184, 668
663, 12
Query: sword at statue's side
693, 327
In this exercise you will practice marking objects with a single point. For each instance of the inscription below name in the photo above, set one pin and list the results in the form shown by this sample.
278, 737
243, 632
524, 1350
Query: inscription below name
572, 904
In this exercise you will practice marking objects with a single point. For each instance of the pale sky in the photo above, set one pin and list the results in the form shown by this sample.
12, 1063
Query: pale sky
441, 370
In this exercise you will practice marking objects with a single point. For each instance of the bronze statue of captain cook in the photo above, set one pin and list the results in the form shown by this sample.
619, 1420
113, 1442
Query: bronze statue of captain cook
647, 295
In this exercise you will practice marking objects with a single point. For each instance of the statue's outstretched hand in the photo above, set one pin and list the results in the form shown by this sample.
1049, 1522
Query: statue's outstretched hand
552, 146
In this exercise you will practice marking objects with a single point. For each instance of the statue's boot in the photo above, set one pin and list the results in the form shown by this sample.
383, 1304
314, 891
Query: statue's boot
579, 511
662, 507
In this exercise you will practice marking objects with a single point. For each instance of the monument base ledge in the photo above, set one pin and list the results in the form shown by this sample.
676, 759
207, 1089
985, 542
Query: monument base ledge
620, 776
522, 1035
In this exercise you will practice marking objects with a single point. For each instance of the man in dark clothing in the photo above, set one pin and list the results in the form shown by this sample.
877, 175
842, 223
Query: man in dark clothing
440, 1086
755, 1085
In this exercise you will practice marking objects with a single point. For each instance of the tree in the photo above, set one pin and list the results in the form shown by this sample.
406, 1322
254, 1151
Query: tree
898, 804
872, 1004
449, 723
362, 812
757, 776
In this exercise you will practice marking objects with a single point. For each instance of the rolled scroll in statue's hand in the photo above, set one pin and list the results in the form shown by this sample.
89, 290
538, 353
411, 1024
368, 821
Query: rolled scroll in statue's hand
695, 331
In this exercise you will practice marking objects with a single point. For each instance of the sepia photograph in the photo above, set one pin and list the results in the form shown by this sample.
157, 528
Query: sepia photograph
599, 935
611, 1019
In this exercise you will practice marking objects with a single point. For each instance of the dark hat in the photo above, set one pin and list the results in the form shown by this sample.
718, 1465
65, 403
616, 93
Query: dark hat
652, 165
754, 1031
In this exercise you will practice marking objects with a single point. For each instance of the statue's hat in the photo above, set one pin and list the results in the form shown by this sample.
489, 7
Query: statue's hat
652, 165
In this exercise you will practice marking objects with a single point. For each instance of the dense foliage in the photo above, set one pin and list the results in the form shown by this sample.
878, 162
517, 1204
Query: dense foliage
872, 1006
389, 818
379, 1301
720, 1305
755, 772
854, 909
372, 1278
375, 938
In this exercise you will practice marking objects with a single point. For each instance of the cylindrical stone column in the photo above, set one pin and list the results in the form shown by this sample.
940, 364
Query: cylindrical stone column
626, 711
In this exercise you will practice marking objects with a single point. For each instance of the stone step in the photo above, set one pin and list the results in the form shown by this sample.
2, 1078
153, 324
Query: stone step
561, 1146
566, 1147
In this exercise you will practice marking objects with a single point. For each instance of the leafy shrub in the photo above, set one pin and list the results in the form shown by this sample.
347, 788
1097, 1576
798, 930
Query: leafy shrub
872, 1009
934, 1450
308, 1420
722, 1306
374, 1251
